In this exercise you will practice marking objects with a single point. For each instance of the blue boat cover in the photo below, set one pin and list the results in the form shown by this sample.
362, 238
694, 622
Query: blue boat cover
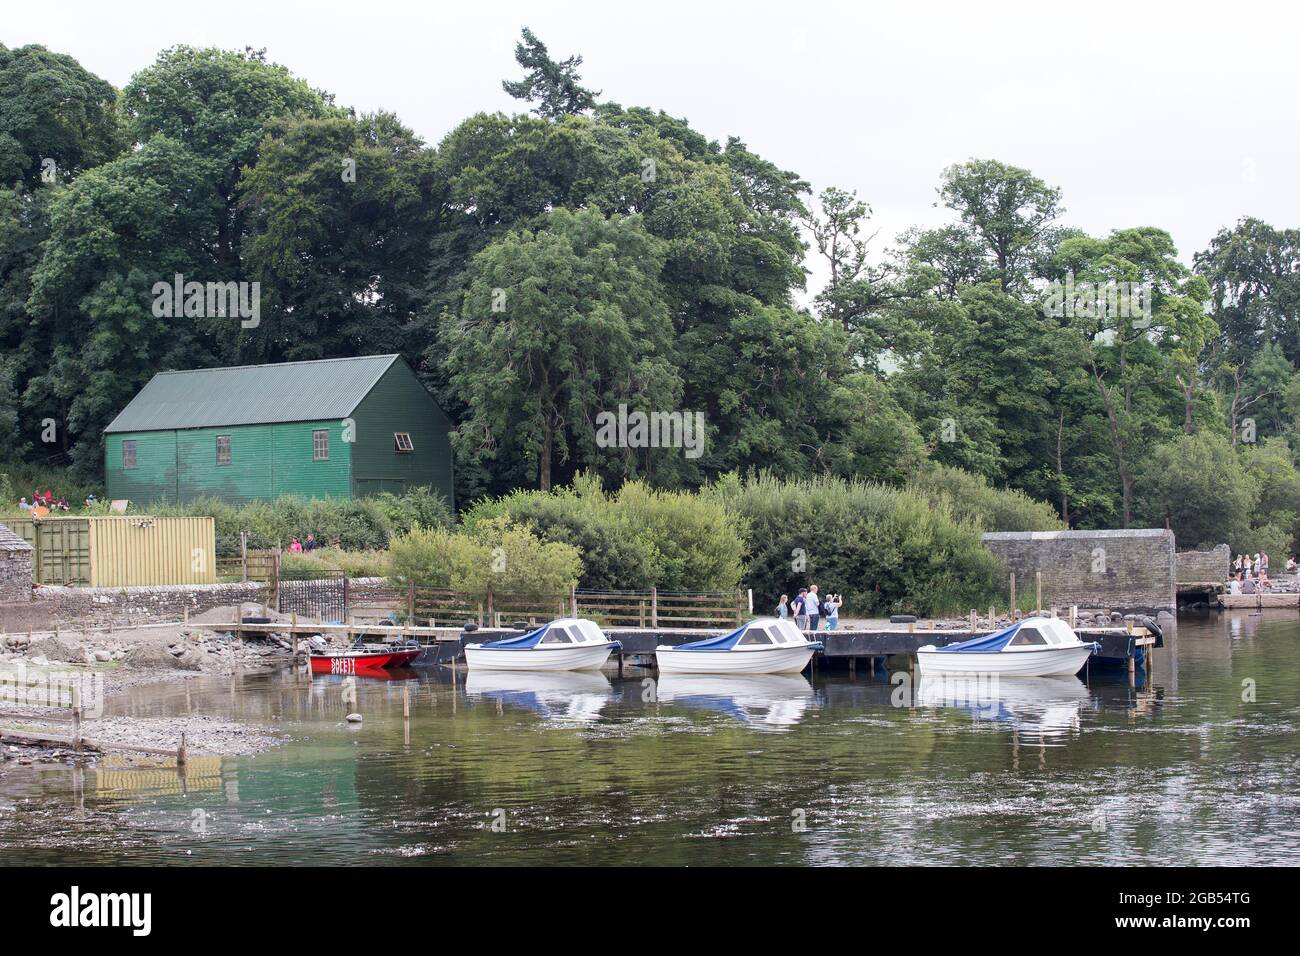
528, 640
988, 643
724, 643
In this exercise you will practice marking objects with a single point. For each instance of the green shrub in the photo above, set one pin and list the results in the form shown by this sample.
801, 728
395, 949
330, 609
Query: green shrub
971, 498
356, 564
420, 507
885, 549
676, 541
360, 524
499, 554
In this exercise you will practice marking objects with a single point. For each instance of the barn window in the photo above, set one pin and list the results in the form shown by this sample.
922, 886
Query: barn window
128, 454
402, 443
320, 445
223, 449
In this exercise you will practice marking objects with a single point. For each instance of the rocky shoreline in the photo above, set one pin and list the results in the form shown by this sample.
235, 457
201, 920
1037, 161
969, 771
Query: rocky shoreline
38, 674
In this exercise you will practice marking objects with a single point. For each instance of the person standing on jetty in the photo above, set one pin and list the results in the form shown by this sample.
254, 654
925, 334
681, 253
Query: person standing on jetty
813, 605
800, 607
831, 606
783, 607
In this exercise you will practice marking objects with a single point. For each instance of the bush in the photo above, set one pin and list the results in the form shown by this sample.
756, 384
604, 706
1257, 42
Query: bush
886, 549
356, 564
420, 507
638, 538
500, 555
359, 524
971, 498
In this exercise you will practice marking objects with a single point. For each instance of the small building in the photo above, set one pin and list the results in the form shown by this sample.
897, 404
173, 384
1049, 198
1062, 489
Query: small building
15, 567
335, 428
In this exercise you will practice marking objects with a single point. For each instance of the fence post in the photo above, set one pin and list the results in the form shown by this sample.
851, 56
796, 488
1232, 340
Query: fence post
243, 553
410, 602
573, 600
740, 606
654, 606
76, 718
490, 615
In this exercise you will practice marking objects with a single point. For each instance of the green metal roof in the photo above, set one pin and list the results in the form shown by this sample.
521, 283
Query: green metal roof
252, 394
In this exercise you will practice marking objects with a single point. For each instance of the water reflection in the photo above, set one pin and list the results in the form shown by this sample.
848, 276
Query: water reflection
565, 696
765, 702
1197, 767
1044, 707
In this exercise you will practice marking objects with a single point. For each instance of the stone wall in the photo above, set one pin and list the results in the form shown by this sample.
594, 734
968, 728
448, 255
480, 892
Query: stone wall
1126, 571
1204, 567
15, 576
142, 605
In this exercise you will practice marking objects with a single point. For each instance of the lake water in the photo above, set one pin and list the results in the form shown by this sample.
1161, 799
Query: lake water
1199, 765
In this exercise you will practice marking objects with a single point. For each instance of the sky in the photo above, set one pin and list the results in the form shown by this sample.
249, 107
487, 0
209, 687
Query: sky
1176, 115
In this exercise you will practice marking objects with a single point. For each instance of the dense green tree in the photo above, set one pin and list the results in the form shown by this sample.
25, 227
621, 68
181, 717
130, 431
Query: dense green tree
1007, 212
1254, 272
343, 215
1197, 486
559, 324
217, 104
56, 118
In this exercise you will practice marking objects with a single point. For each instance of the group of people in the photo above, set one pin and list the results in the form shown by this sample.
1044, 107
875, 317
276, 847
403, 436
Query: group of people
809, 609
298, 547
1250, 574
44, 500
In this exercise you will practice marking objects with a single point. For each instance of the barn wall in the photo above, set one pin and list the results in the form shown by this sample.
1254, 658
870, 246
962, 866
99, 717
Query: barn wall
399, 403
153, 478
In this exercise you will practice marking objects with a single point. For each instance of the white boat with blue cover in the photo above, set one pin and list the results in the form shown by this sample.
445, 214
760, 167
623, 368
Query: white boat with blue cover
766, 645
568, 644
1034, 647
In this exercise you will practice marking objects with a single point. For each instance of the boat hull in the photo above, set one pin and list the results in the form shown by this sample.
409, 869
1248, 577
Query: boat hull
763, 660
582, 657
1040, 662
361, 663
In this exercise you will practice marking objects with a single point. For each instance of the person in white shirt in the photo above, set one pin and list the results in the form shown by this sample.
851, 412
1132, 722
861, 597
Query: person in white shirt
24, 506
813, 604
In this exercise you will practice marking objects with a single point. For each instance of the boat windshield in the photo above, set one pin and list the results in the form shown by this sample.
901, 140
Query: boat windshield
1028, 635
557, 635
755, 635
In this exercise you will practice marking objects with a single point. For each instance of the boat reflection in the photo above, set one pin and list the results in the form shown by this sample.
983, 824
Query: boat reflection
1035, 706
764, 701
562, 696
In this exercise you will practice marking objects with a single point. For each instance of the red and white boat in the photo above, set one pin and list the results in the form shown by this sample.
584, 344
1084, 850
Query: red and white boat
360, 658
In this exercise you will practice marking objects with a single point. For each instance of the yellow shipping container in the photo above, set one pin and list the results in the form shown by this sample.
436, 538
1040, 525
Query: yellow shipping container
121, 550
138, 551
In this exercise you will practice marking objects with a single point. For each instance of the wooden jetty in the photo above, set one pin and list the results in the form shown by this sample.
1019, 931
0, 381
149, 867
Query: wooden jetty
1258, 601
1118, 644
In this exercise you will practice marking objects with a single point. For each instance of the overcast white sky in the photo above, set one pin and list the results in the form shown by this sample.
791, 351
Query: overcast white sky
1178, 115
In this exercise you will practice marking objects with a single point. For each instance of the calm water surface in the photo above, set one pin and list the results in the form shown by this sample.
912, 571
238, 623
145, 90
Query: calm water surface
592, 769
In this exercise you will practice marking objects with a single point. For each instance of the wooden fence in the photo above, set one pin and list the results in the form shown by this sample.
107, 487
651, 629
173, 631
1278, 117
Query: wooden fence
649, 608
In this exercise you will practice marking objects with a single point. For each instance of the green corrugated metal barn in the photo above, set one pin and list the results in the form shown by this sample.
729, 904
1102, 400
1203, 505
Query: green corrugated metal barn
334, 428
